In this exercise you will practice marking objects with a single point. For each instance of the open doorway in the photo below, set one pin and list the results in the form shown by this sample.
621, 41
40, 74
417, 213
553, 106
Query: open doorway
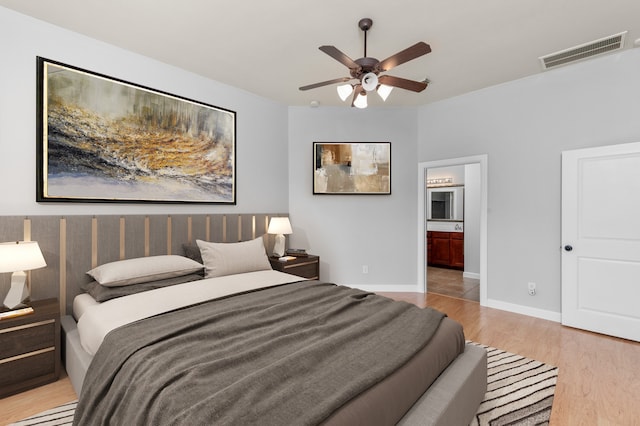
475, 219
453, 223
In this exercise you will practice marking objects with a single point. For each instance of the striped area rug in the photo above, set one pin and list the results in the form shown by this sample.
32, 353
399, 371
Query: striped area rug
519, 392
59, 416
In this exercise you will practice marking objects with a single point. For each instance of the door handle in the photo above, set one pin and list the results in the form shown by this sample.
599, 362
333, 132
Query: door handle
568, 247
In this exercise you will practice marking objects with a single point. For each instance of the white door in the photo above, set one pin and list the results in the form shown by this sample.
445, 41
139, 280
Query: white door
601, 240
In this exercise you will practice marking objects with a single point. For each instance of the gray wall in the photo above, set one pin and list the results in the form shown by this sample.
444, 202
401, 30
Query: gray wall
261, 124
523, 126
349, 231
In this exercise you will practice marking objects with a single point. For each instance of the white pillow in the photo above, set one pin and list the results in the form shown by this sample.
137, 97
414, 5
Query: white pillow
233, 258
143, 269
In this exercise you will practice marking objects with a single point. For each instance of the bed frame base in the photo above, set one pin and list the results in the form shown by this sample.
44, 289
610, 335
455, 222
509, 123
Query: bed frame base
454, 397
451, 400
76, 359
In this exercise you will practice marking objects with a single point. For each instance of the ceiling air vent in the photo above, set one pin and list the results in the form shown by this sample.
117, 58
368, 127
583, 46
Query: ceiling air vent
583, 51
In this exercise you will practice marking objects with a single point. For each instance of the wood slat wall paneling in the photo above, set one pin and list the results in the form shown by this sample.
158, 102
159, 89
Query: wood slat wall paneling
62, 271
232, 228
78, 256
271, 239
179, 233
123, 240
94, 242
246, 228
157, 235
134, 234
72, 245
11, 229
169, 233
26, 231
200, 228
45, 282
218, 228
262, 225
108, 239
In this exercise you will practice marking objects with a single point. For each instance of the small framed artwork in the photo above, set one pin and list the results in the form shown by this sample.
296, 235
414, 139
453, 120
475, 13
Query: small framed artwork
352, 168
101, 139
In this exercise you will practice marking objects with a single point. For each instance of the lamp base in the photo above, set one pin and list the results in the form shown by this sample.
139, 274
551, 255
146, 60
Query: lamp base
18, 293
278, 247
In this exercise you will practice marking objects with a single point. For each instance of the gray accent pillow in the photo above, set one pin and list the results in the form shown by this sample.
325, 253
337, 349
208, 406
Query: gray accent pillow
143, 269
102, 293
192, 251
233, 258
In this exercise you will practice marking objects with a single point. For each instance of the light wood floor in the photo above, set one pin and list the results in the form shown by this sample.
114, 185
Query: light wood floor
598, 382
25, 404
451, 282
599, 376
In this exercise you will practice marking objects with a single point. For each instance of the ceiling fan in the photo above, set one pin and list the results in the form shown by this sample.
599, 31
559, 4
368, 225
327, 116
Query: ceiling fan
367, 71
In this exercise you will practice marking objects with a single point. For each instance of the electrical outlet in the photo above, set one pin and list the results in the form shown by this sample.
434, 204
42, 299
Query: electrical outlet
365, 269
532, 289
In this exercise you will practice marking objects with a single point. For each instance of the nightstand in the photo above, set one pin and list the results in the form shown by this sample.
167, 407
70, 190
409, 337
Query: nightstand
306, 267
30, 348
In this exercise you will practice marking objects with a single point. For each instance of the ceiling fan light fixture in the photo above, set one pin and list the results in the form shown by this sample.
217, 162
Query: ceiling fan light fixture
369, 81
384, 91
363, 72
361, 100
344, 90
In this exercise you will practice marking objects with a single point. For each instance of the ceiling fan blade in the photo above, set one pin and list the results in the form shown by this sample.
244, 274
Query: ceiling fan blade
403, 83
325, 83
418, 49
339, 56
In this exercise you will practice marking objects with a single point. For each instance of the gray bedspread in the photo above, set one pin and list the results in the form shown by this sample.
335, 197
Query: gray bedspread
286, 355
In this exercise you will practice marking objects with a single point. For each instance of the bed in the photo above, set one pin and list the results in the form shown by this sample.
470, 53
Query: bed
217, 337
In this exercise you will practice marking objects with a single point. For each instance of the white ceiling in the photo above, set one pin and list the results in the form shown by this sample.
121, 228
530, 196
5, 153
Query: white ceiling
270, 47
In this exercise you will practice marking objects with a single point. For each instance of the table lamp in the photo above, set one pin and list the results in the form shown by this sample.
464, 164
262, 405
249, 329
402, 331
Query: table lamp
279, 226
18, 257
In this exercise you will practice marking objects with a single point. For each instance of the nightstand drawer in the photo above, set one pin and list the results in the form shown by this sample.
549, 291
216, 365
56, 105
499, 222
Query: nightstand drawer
30, 348
27, 338
305, 270
27, 366
303, 266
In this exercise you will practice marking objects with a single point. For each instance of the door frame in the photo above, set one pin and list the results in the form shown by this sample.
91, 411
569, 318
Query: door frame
422, 217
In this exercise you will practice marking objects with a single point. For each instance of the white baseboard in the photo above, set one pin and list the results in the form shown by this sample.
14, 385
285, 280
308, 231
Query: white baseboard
473, 275
491, 303
525, 310
386, 288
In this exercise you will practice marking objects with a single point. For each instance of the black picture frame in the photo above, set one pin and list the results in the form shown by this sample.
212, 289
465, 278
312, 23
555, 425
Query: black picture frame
102, 139
352, 168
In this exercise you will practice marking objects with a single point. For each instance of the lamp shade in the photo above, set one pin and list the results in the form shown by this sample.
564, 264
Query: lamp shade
384, 91
20, 256
344, 91
369, 81
280, 225
361, 100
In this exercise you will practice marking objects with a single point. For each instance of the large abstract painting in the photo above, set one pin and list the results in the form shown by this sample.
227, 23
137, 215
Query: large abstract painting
352, 168
101, 139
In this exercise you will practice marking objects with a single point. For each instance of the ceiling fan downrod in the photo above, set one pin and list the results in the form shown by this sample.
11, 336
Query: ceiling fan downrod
365, 24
